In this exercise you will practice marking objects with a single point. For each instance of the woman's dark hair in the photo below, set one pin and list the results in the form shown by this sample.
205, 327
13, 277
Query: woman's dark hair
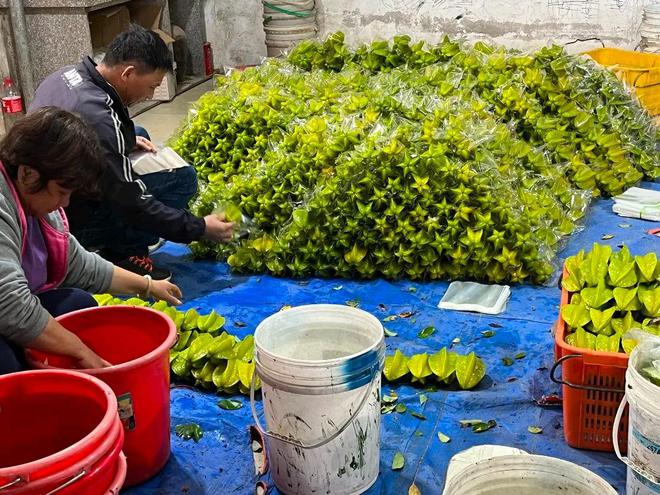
58, 145
141, 47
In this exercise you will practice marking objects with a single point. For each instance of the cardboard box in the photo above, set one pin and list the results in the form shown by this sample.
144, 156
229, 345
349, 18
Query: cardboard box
105, 24
148, 16
167, 89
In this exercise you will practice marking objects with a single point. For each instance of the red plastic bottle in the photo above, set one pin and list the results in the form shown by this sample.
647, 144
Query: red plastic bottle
208, 58
12, 103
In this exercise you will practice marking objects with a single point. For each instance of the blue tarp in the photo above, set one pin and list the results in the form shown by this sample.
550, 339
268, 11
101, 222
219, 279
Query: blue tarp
221, 463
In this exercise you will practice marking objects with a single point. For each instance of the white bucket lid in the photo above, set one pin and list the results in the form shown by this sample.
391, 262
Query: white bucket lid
513, 474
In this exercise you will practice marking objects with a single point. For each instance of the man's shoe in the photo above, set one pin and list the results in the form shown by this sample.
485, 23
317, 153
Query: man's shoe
157, 245
142, 265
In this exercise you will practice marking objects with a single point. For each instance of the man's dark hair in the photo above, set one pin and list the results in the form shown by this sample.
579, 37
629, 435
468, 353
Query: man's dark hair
58, 145
140, 47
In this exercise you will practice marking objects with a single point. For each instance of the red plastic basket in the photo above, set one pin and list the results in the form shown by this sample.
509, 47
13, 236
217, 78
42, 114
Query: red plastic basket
592, 388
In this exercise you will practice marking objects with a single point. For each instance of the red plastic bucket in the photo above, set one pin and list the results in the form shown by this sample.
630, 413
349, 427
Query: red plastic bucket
60, 433
136, 341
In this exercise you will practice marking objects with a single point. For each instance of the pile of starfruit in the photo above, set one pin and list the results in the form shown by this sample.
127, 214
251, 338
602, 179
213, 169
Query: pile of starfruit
610, 294
406, 160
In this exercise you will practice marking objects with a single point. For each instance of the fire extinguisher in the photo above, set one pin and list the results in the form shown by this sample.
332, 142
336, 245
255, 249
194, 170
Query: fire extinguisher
208, 58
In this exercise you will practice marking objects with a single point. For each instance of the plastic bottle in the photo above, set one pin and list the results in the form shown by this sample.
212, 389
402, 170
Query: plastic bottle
12, 103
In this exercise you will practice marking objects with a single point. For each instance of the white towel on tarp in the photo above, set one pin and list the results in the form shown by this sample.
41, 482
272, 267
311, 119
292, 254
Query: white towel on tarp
637, 202
479, 298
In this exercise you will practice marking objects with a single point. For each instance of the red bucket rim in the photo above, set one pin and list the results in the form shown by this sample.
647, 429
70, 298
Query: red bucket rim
109, 417
129, 365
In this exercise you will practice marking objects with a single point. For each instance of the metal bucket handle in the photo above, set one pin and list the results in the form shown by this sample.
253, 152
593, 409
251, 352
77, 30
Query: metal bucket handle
376, 373
70, 482
560, 381
625, 459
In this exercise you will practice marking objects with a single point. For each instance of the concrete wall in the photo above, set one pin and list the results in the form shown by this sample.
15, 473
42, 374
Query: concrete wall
235, 30
514, 23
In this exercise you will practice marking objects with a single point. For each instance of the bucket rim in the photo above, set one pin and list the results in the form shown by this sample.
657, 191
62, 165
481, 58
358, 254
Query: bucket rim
508, 462
129, 365
107, 421
315, 363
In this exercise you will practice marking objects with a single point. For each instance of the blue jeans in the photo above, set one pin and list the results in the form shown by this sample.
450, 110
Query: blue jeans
57, 302
116, 239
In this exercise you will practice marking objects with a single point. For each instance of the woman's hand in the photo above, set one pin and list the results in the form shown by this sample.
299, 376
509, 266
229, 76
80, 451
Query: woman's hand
163, 290
88, 359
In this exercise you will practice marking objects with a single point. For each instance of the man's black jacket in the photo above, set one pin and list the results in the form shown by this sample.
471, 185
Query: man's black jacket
82, 90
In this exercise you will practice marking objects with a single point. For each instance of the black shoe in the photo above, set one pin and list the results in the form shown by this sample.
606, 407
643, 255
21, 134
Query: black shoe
142, 265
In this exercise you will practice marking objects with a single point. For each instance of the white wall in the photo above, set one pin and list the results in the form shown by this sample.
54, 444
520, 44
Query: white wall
514, 23
235, 30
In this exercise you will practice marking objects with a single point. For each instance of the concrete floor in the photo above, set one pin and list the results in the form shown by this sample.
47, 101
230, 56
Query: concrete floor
163, 120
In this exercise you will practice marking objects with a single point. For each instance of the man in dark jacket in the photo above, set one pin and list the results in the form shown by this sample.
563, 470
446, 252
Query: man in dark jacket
134, 210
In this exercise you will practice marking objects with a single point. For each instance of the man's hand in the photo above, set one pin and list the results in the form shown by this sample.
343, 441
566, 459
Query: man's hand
142, 143
217, 229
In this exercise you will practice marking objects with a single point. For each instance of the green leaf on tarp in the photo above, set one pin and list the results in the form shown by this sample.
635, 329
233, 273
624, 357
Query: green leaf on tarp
427, 332
398, 462
470, 370
400, 408
626, 299
507, 361
647, 267
594, 266
443, 363
520, 355
412, 289
388, 399
443, 438
575, 315
390, 318
419, 367
387, 408
189, 431
396, 366
389, 333
229, 404
481, 427
535, 430
596, 297
418, 415
456, 340
650, 299
607, 237
469, 422
601, 319
622, 269
353, 303
422, 399
487, 333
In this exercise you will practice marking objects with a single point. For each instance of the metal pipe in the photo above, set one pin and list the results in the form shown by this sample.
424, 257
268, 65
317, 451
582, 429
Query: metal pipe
22, 49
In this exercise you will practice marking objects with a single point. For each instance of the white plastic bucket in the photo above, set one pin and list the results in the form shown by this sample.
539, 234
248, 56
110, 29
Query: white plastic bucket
643, 431
526, 474
320, 369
